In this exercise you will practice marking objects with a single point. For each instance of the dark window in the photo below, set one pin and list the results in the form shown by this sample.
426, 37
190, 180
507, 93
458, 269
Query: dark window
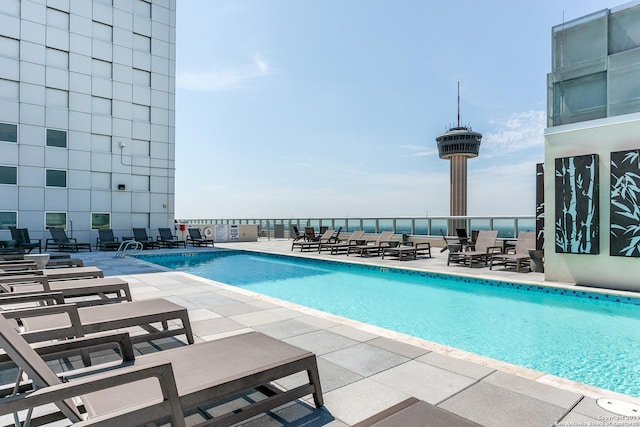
8, 133
56, 138
8, 219
8, 175
56, 178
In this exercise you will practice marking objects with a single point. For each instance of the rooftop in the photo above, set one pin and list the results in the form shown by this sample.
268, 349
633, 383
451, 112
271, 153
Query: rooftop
365, 369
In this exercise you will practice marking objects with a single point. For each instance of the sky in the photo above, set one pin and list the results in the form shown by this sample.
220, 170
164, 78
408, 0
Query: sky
330, 108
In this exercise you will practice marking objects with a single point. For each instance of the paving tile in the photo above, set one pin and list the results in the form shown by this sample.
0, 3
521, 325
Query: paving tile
234, 308
459, 366
265, 316
286, 328
398, 347
212, 326
555, 396
494, 406
296, 413
360, 400
423, 381
320, 342
331, 377
364, 359
589, 408
353, 333
202, 314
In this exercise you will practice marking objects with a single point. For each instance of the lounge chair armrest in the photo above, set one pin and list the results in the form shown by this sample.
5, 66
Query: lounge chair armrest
71, 310
74, 346
161, 370
22, 297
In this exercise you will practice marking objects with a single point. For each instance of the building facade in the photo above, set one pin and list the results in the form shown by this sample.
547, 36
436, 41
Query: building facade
592, 151
87, 115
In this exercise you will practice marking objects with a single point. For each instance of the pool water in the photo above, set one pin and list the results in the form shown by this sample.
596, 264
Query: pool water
590, 338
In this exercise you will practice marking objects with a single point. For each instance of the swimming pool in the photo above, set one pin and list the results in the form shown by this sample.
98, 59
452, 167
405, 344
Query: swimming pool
587, 337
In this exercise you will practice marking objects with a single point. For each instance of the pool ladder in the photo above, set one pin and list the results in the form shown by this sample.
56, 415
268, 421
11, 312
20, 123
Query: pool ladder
132, 245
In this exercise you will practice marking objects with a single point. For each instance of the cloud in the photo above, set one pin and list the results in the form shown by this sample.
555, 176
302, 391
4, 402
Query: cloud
519, 132
224, 78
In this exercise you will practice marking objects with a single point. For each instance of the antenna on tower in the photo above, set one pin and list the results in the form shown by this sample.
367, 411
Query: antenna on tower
458, 104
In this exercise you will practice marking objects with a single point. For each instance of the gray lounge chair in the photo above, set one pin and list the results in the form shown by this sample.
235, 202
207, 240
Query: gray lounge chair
294, 233
415, 413
107, 241
372, 248
82, 292
140, 235
484, 248
60, 241
520, 256
336, 247
62, 321
307, 245
168, 240
196, 239
188, 377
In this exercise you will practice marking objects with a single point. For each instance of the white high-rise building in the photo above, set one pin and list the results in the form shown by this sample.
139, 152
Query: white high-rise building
87, 115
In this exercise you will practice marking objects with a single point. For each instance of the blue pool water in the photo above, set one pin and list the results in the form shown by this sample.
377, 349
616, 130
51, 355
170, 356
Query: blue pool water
586, 337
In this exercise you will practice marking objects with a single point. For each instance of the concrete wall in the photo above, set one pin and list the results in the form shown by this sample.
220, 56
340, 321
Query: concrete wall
600, 137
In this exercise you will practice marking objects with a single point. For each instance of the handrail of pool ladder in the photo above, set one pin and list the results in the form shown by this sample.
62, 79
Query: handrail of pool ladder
128, 244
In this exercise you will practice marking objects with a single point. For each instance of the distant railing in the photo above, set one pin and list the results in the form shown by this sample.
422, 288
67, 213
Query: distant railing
507, 226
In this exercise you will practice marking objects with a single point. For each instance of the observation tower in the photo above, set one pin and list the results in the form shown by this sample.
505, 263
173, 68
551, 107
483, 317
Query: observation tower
457, 145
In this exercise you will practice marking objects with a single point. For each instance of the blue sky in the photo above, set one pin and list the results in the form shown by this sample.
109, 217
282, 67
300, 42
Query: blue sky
330, 108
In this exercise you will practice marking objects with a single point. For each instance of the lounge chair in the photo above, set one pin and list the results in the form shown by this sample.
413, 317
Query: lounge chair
294, 233
309, 234
83, 292
60, 240
140, 235
168, 240
196, 238
62, 321
60, 273
314, 244
375, 248
107, 241
415, 413
21, 236
483, 249
163, 384
519, 256
337, 247
407, 251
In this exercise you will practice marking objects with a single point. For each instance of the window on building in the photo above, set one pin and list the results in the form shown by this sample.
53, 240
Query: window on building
56, 178
8, 219
8, 132
100, 221
8, 175
55, 220
56, 138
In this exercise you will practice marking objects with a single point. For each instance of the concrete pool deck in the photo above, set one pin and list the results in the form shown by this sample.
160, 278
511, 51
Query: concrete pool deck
365, 369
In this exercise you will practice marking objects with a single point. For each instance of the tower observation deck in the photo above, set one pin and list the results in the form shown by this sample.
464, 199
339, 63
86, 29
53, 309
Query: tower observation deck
457, 145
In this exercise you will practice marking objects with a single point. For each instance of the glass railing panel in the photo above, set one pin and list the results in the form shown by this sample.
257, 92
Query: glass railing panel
441, 224
422, 227
404, 226
505, 227
369, 225
353, 224
385, 225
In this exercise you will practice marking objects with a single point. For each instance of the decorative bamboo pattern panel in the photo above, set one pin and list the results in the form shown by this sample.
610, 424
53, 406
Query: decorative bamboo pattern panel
577, 211
625, 206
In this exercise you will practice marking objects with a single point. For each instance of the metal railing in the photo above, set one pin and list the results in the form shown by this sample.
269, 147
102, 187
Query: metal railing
507, 226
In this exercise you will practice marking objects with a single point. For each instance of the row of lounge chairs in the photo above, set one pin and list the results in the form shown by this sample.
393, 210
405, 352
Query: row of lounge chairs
483, 249
384, 245
160, 386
